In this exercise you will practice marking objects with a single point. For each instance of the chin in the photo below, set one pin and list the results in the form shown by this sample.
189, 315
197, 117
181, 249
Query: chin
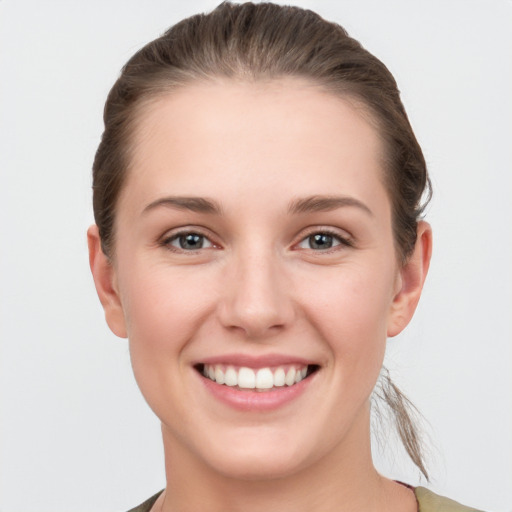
255, 467
261, 459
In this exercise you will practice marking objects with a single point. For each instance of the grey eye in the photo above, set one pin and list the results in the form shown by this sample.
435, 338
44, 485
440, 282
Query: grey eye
320, 241
190, 242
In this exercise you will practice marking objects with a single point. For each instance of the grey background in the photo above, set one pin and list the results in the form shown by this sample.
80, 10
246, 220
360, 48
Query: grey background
75, 434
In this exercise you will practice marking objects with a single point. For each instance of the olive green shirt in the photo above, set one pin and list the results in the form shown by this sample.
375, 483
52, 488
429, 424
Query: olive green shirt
427, 502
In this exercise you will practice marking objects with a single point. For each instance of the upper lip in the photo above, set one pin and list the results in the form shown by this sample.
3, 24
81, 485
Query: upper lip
252, 361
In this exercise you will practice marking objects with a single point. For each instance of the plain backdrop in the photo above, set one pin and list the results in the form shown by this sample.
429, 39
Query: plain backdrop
75, 434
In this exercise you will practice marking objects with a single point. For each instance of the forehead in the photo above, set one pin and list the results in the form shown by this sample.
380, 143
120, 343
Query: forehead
269, 133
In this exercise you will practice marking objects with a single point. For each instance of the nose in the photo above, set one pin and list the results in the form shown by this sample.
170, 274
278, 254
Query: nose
256, 298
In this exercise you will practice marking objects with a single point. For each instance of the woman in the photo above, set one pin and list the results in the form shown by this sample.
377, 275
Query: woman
258, 198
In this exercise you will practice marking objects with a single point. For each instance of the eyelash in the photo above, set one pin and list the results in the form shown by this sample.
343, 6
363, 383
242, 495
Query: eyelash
167, 241
343, 241
175, 237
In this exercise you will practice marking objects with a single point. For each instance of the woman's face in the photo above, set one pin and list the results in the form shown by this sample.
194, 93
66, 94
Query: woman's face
254, 246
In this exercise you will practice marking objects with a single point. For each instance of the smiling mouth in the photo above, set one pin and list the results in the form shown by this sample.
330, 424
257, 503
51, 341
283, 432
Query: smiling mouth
260, 379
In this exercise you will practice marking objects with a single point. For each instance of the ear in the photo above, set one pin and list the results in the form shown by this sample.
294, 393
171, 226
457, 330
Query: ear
410, 281
104, 275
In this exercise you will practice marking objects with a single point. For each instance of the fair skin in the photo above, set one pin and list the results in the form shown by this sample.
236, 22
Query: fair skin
254, 230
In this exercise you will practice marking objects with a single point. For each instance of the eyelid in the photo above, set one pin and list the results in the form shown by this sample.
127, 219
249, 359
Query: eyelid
173, 234
344, 238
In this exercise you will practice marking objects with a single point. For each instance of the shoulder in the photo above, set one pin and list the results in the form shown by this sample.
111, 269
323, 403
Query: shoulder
431, 502
427, 501
146, 506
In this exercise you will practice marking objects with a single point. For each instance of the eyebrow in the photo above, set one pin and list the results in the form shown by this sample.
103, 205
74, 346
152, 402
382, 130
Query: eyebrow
316, 203
194, 204
320, 203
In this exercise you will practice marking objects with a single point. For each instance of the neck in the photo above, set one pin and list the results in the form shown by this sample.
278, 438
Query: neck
343, 480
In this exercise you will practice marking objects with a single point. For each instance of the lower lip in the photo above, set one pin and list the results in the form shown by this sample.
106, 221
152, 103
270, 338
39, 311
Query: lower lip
252, 400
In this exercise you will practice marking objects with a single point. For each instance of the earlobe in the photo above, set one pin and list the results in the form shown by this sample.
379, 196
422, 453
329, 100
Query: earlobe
103, 273
410, 281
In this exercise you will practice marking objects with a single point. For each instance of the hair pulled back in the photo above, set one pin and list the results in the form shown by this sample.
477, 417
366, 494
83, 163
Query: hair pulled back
253, 42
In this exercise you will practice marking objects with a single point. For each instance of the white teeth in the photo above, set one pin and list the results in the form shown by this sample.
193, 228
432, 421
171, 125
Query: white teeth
261, 379
279, 376
264, 379
246, 378
219, 375
289, 380
231, 377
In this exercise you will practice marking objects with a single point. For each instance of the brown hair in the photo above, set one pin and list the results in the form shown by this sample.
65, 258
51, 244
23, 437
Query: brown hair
259, 42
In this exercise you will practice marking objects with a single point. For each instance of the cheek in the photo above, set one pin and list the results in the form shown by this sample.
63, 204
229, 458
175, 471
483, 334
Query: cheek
161, 306
353, 302
163, 311
351, 313
165, 307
